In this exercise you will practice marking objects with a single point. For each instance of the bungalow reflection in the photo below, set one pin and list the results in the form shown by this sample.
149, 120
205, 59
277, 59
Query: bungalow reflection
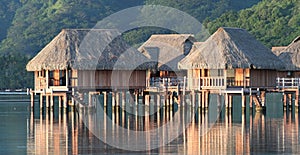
68, 134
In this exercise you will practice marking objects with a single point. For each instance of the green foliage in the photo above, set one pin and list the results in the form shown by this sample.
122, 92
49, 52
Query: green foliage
7, 13
13, 72
273, 22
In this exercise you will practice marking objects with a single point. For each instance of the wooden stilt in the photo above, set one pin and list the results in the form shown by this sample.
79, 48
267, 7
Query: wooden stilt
51, 101
226, 101
199, 99
146, 100
113, 99
136, 98
290, 101
171, 100
158, 100
206, 99
230, 101
251, 101
263, 98
203, 99
167, 99
31, 99
297, 99
47, 101
123, 99
41, 100
65, 100
284, 100
243, 101
59, 102
117, 99
162, 101
105, 98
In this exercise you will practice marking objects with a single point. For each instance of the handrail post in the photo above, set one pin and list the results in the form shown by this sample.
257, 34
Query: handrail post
183, 91
199, 83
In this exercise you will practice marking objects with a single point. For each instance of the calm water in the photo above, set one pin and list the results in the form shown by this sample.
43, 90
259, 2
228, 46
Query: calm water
25, 131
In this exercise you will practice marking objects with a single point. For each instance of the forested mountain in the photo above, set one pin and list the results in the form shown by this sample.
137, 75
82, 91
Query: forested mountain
7, 12
273, 22
28, 25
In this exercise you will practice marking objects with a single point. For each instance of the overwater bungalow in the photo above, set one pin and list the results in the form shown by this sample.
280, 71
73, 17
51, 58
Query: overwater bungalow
290, 55
83, 60
231, 57
231, 61
167, 50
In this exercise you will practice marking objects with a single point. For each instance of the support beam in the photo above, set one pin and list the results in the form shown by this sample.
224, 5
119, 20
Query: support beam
47, 79
147, 100
251, 101
59, 101
51, 101
226, 101
41, 101
243, 101
202, 99
230, 101
206, 99
67, 78
290, 101
284, 100
47, 101
297, 99
31, 99
65, 100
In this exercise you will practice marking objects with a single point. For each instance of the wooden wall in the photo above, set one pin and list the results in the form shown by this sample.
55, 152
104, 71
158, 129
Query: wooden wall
263, 78
109, 79
289, 74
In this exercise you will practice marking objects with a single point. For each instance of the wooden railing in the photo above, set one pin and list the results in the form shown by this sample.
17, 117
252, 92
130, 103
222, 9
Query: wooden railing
190, 83
165, 82
287, 82
207, 83
41, 86
212, 82
40, 83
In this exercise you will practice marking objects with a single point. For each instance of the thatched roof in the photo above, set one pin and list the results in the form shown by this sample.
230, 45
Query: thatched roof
88, 49
277, 50
231, 48
291, 55
167, 49
196, 46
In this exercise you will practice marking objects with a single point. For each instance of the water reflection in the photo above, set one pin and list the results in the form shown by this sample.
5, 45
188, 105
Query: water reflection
255, 133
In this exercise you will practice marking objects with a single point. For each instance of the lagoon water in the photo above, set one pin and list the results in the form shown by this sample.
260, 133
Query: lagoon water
216, 131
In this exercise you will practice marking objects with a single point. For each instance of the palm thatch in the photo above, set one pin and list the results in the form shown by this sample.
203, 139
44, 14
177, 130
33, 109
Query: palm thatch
291, 55
167, 49
196, 46
278, 50
231, 48
88, 49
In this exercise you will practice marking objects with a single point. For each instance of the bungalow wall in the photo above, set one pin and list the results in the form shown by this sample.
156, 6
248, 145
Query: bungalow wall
289, 74
263, 78
172, 74
235, 77
108, 79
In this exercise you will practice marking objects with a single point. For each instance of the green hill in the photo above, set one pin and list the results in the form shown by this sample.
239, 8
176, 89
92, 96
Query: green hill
274, 22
